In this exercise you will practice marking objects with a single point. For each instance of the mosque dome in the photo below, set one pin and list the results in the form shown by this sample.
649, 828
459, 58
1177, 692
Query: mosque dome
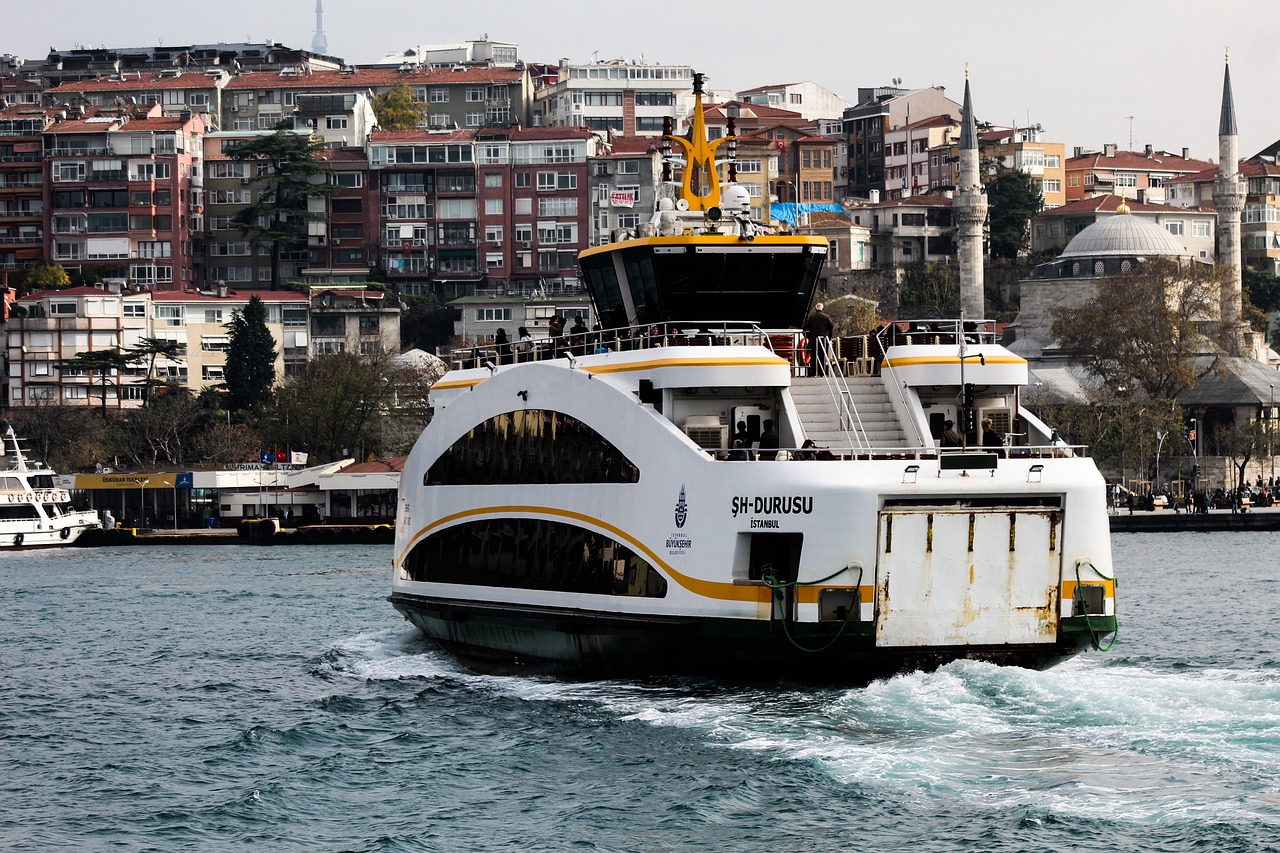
1124, 235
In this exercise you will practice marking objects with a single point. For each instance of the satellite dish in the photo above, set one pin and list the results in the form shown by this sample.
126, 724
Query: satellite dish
682, 204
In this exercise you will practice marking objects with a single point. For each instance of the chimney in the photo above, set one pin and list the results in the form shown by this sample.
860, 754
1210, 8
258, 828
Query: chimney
1142, 196
1078, 151
1109, 150
1148, 150
1186, 153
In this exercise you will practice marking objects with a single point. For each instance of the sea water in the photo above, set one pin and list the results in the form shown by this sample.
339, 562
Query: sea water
227, 697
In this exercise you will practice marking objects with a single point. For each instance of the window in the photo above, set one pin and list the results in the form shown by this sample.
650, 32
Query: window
548, 181
475, 94
439, 96
1050, 186
351, 180
493, 206
553, 207
369, 324
522, 179
169, 315
136, 310
531, 446
1126, 179
475, 119
493, 314
1176, 227
493, 234
493, 179
534, 553
1200, 229
212, 372
347, 205
335, 122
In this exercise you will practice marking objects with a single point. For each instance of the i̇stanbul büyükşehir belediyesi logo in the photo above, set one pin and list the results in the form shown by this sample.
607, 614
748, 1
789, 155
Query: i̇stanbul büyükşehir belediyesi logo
682, 509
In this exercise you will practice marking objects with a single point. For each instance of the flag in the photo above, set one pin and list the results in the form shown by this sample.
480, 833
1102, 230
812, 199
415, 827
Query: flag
298, 457
280, 455
265, 457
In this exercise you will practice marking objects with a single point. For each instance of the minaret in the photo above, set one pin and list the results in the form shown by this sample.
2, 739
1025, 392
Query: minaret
970, 210
1228, 198
319, 44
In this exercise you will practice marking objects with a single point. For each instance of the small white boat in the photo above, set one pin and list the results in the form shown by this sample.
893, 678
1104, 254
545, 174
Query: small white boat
34, 511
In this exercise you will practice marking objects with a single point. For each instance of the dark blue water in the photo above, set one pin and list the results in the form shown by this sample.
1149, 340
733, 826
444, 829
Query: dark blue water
270, 699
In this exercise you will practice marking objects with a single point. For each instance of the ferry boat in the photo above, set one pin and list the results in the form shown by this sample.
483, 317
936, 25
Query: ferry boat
582, 509
34, 511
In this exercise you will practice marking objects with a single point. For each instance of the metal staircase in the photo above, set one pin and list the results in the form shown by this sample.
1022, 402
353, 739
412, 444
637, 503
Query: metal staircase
850, 412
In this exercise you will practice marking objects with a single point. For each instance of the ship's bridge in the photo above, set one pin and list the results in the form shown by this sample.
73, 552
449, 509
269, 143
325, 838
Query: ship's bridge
766, 279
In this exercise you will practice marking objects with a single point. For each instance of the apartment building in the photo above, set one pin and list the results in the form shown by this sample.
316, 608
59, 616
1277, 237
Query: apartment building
879, 111
811, 101
622, 186
1194, 227
343, 244
124, 190
1017, 148
1134, 175
628, 98
908, 230
1260, 219
907, 154
49, 326
353, 319
452, 54
465, 97
176, 92
89, 63
22, 220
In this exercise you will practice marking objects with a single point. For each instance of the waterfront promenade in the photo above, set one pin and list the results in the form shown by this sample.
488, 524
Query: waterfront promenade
1141, 521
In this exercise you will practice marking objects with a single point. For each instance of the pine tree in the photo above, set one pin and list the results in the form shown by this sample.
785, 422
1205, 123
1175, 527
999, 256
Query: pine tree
292, 171
251, 358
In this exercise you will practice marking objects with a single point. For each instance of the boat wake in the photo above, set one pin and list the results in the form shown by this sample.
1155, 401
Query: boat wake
1089, 739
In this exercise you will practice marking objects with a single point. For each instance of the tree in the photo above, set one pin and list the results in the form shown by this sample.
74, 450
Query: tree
335, 405
159, 432
295, 171
398, 108
66, 439
1144, 327
45, 277
929, 290
1013, 197
852, 315
425, 321
251, 358
98, 362
150, 349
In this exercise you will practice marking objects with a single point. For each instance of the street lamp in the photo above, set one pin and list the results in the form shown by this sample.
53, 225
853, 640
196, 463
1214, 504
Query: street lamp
1160, 437
1193, 439
1123, 466
1271, 418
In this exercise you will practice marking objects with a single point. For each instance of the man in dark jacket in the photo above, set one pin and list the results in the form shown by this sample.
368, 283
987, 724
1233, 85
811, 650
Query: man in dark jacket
818, 329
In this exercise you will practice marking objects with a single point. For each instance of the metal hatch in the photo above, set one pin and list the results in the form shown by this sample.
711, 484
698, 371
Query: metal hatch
968, 576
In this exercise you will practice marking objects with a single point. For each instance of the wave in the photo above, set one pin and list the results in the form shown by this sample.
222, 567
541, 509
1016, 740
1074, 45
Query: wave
1095, 738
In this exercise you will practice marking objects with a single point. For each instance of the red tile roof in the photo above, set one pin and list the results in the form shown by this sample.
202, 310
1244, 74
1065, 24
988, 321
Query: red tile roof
1111, 203
422, 136
1248, 169
533, 134
132, 82
760, 111
1132, 161
233, 296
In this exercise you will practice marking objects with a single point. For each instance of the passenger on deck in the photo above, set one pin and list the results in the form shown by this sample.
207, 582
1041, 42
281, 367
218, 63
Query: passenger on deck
950, 438
555, 330
524, 344
503, 346
741, 434
739, 453
769, 443
818, 328
990, 438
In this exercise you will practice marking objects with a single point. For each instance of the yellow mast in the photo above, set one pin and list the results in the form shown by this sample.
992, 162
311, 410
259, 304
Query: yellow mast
700, 187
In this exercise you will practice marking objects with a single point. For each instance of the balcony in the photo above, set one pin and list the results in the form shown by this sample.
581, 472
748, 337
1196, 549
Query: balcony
77, 152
